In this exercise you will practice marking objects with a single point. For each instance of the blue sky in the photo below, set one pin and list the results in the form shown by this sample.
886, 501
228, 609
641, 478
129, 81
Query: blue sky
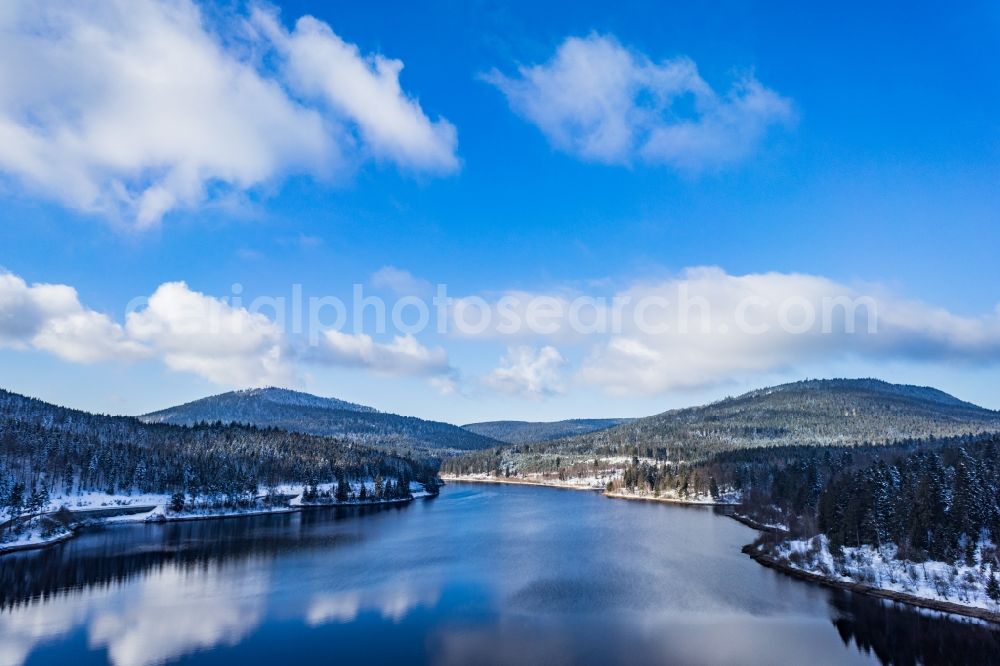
870, 161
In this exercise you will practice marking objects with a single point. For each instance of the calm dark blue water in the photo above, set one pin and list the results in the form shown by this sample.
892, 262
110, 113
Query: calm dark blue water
482, 574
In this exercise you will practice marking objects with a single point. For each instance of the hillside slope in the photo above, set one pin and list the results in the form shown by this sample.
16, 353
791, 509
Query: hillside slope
47, 446
248, 406
527, 432
834, 411
328, 417
814, 412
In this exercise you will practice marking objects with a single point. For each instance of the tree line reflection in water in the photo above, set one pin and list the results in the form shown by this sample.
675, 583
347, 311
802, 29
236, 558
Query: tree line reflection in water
154, 593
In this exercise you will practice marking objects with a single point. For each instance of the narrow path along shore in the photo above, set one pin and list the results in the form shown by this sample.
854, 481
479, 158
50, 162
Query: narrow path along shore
753, 524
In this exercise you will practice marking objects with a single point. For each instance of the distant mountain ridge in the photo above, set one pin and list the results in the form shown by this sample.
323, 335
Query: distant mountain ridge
833, 412
819, 411
527, 432
295, 411
870, 384
245, 405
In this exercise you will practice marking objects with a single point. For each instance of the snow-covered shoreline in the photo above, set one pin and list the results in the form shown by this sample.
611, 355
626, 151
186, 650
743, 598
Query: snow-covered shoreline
518, 481
753, 523
974, 604
582, 484
699, 501
32, 541
158, 513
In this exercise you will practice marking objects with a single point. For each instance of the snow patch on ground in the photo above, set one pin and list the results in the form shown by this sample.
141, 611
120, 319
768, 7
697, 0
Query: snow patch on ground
956, 582
160, 514
101, 500
34, 536
781, 527
725, 497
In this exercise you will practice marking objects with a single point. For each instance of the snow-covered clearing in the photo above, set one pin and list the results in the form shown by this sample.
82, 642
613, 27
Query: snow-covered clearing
88, 500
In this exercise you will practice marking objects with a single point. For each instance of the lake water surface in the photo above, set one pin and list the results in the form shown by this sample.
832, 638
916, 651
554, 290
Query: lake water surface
482, 574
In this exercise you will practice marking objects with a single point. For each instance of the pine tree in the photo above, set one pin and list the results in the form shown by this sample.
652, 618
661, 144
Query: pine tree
928, 519
68, 479
993, 587
964, 505
343, 488
15, 501
34, 504
402, 489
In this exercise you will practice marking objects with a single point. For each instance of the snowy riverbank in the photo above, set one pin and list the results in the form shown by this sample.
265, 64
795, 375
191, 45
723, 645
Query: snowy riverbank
957, 587
62, 516
35, 537
700, 500
592, 483
160, 514
571, 484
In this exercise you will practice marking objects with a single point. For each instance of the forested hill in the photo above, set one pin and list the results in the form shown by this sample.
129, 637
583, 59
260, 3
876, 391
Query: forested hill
247, 406
328, 417
526, 432
814, 412
42, 445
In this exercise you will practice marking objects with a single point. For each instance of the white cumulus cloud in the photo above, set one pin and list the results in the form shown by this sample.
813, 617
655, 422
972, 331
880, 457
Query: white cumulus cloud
404, 355
603, 102
132, 109
700, 328
707, 327
192, 332
528, 372
363, 89
50, 317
